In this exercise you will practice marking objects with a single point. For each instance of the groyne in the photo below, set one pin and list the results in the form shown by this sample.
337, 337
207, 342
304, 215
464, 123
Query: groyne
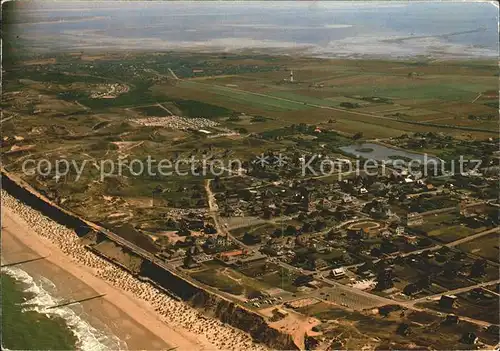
155, 271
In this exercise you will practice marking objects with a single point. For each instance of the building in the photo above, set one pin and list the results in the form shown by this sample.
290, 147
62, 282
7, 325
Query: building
337, 273
469, 211
414, 219
229, 255
280, 312
448, 301
363, 231
469, 338
214, 244
404, 329
451, 319
346, 198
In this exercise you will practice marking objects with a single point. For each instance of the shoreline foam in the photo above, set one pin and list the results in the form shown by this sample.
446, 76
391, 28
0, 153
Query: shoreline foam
173, 321
88, 337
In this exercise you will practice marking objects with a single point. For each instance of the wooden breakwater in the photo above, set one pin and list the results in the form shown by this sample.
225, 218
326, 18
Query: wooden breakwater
155, 270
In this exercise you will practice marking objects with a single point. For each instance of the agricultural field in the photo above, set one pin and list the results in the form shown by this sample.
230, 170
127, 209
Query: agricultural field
486, 247
249, 95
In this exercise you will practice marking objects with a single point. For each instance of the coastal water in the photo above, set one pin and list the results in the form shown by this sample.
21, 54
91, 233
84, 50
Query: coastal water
29, 324
318, 28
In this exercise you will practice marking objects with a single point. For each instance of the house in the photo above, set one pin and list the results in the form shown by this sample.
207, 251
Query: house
245, 261
337, 272
448, 301
411, 289
346, 198
226, 256
303, 280
190, 263
279, 312
451, 319
493, 329
414, 219
400, 230
386, 234
469, 338
214, 244
404, 329
411, 239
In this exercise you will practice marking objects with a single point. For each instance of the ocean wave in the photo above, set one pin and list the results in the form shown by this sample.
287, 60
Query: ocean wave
88, 337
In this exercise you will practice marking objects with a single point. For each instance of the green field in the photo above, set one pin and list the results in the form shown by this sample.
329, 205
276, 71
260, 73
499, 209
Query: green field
486, 247
229, 280
243, 97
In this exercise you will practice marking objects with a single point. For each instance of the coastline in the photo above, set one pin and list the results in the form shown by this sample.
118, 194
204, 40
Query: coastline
138, 330
134, 311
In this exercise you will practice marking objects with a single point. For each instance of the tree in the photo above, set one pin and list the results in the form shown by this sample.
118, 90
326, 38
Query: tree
184, 231
188, 260
478, 268
357, 136
251, 239
290, 230
209, 229
163, 242
451, 269
384, 279
376, 252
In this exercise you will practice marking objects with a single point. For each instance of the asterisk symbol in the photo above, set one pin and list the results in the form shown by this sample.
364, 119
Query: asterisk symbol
262, 160
281, 160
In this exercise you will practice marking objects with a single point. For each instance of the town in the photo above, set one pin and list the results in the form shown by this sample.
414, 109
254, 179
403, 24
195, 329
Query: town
330, 215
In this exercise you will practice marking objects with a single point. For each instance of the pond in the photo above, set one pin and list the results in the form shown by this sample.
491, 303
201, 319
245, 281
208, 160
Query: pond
384, 153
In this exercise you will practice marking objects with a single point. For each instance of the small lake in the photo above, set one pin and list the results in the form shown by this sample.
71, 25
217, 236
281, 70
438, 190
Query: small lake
384, 153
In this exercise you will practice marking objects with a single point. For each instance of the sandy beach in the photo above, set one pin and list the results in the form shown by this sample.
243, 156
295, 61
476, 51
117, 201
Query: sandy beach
134, 311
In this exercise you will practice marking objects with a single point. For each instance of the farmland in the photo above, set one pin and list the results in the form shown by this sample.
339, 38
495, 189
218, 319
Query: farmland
261, 232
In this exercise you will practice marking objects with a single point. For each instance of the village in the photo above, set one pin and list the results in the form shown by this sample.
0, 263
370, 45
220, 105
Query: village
363, 242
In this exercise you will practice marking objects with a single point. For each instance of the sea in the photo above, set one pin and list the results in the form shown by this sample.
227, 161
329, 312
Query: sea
354, 29
29, 322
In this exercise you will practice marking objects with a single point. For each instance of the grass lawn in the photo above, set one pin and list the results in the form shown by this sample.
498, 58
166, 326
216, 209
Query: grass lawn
451, 233
486, 247
229, 280
243, 97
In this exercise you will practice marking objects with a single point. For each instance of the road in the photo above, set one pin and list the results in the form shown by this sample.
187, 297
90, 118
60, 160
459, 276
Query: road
472, 237
451, 244
452, 292
164, 108
477, 97
173, 74
214, 212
